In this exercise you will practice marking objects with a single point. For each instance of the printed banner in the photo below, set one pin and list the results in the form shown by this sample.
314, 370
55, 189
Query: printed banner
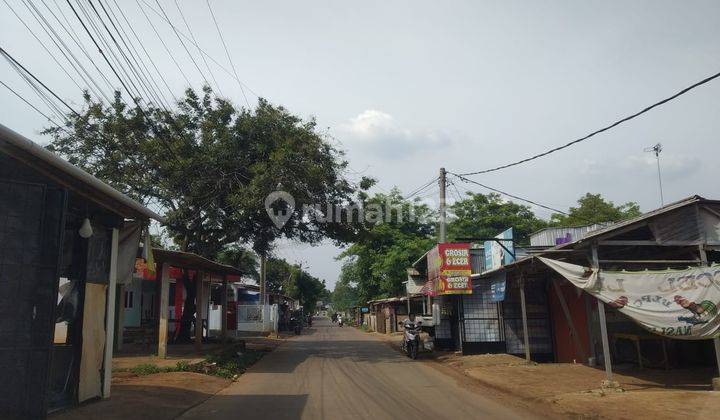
673, 303
497, 287
497, 255
449, 269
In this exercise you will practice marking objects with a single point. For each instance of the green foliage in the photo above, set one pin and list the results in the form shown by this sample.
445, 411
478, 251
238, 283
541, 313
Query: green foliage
486, 215
145, 369
240, 258
291, 280
593, 208
209, 166
346, 295
377, 261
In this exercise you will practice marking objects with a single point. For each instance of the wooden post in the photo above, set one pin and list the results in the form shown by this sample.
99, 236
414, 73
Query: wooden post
603, 324
163, 310
526, 337
223, 320
199, 303
110, 315
120, 318
716, 340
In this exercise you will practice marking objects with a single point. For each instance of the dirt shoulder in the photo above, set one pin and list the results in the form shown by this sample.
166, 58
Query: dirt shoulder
573, 390
135, 394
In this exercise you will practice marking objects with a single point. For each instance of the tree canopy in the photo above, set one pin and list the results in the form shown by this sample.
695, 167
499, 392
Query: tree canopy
377, 260
486, 215
209, 167
593, 208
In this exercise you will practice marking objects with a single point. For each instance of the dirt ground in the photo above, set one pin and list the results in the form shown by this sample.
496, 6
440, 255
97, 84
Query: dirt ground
573, 390
162, 395
134, 355
159, 396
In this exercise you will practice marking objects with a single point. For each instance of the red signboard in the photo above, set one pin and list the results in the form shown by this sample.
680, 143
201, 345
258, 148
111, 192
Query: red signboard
449, 269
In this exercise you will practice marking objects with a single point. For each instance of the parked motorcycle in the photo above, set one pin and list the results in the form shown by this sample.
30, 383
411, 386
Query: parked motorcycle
296, 323
411, 338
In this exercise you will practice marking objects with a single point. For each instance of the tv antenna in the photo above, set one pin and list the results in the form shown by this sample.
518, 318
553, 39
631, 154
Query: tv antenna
657, 149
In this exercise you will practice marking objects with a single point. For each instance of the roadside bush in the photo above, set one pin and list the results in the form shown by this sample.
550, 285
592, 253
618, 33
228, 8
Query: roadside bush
145, 369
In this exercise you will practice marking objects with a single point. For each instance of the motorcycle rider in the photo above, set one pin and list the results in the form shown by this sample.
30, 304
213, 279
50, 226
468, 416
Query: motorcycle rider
411, 341
411, 322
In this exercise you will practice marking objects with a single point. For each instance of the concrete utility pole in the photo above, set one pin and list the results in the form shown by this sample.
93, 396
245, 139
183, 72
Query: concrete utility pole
442, 237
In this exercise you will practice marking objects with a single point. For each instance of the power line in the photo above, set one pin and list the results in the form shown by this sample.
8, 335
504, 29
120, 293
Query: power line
141, 82
421, 188
509, 195
142, 73
64, 50
616, 123
74, 36
242, 90
162, 41
104, 56
12, 59
187, 25
183, 44
142, 45
167, 20
31, 105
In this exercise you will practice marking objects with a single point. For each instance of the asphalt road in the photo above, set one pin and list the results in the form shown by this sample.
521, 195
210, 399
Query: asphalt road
342, 373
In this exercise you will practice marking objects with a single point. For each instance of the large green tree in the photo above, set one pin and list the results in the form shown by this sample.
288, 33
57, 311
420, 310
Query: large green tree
486, 215
593, 208
378, 259
293, 281
208, 166
345, 295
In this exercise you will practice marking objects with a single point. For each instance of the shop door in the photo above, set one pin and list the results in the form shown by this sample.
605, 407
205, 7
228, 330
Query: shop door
381, 321
31, 220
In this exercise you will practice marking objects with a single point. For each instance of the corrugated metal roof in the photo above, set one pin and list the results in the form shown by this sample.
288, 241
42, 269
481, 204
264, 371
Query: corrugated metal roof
639, 219
549, 236
608, 230
74, 178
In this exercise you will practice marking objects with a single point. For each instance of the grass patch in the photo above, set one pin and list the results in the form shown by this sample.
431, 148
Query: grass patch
145, 369
230, 363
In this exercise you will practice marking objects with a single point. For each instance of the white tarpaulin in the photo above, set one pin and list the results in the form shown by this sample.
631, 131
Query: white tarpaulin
674, 303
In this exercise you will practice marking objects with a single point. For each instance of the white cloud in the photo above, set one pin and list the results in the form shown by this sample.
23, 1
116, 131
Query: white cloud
380, 133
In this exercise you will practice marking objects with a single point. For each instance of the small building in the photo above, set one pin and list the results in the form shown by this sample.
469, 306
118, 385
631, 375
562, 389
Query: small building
65, 237
583, 328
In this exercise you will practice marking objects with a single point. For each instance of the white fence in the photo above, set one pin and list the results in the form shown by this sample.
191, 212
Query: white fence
250, 318
257, 318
